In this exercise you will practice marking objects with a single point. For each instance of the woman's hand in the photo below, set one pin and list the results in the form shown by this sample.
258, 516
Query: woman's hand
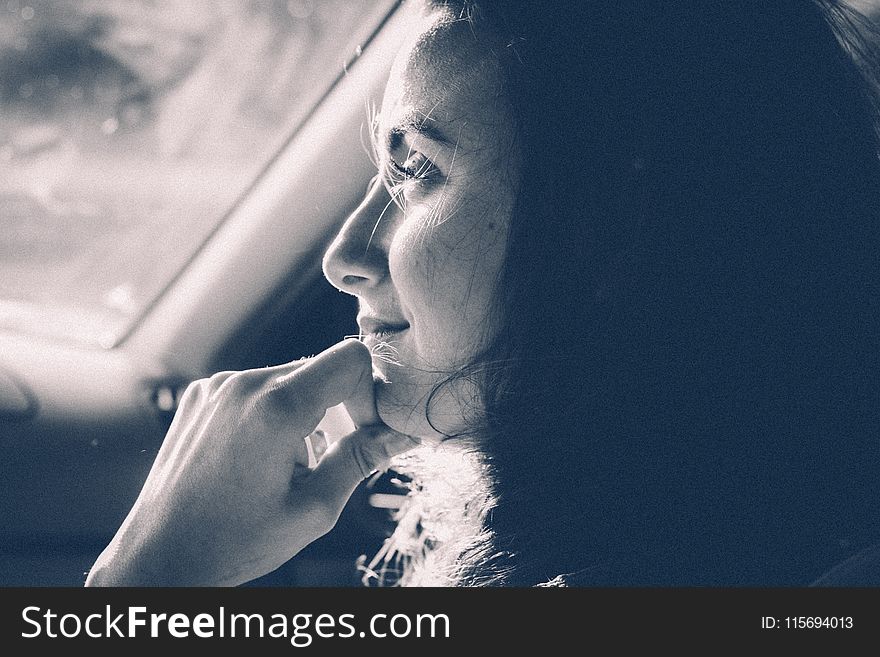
231, 495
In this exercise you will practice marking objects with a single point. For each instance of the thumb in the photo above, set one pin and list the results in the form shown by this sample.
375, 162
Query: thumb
354, 457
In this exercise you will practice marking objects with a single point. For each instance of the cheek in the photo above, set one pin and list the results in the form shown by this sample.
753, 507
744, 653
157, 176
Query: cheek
445, 275
413, 268
420, 276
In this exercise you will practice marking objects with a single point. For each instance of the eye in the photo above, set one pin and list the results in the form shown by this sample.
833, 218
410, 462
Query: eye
416, 167
410, 178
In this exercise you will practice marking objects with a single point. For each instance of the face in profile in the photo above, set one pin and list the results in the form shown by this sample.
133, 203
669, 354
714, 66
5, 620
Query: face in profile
424, 250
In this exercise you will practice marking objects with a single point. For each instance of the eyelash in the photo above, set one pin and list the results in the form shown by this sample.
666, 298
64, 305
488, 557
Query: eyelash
400, 174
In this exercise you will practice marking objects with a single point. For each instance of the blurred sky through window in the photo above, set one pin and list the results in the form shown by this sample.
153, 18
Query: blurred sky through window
129, 127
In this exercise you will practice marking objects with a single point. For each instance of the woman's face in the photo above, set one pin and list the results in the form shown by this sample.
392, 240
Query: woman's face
424, 250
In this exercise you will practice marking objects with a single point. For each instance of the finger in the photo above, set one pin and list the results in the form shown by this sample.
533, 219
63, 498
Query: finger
355, 457
343, 374
269, 372
260, 373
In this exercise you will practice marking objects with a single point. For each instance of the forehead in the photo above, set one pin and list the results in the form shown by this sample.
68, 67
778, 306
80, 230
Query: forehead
445, 73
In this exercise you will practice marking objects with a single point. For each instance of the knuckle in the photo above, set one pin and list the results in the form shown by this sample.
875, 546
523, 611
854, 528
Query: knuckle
238, 382
195, 391
230, 385
218, 379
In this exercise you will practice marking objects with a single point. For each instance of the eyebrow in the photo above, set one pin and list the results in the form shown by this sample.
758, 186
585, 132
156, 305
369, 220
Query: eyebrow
418, 125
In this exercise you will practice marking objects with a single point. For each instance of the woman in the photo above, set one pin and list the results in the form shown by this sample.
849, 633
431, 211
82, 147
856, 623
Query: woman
618, 275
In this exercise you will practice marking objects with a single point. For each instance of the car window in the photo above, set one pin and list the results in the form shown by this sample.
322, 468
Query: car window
129, 128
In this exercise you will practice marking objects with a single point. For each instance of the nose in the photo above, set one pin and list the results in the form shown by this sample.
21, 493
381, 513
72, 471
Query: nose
357, 259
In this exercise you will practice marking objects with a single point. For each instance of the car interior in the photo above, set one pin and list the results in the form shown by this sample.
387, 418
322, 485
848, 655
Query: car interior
85, 402
81, 420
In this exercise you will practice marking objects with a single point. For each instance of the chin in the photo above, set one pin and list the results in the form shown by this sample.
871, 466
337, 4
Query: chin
402, 405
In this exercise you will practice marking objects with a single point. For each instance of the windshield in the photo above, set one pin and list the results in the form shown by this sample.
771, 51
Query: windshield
129, 128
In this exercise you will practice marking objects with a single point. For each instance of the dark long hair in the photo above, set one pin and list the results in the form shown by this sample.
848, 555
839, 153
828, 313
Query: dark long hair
685, 386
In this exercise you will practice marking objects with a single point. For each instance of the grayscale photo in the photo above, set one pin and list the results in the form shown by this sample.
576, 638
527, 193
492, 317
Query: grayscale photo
439, 293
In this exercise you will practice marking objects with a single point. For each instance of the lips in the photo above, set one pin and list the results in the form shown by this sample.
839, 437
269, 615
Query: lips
381, 328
